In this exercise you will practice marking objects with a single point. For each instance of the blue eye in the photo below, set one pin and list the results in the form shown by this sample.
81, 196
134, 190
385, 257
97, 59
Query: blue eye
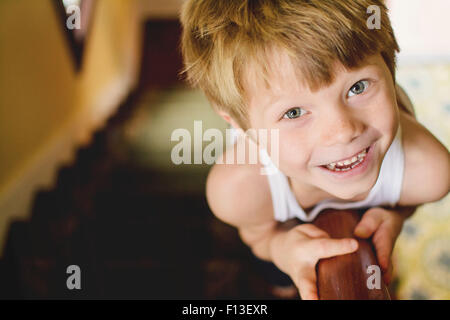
358, 88
294, 113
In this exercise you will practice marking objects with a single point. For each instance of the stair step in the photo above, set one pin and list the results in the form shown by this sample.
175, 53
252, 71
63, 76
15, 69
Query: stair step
51, 205
37, 262
141, 279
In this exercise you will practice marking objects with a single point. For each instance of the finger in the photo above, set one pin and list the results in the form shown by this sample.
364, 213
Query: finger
384, 241
308, 288
312, 231
384, 244
369, 223
387, 276
326, 248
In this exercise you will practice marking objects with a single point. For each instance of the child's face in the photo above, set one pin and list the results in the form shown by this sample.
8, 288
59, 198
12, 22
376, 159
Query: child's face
335, 138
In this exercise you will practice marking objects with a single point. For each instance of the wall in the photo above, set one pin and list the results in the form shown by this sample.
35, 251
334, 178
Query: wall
46, 108
421, 28
160, 9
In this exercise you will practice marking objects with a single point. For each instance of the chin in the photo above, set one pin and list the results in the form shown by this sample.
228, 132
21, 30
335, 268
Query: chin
351, 192
347, 194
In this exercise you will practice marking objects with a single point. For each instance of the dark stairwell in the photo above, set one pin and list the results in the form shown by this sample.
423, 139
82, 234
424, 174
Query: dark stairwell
137, 225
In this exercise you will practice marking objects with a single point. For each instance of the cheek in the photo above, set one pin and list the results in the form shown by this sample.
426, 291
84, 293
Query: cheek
389, 123
384, 116
294, 153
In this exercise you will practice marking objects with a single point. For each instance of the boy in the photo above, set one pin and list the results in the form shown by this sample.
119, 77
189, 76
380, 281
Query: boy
315, 71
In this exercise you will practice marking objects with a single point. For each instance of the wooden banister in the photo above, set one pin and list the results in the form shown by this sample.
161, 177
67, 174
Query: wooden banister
346, 277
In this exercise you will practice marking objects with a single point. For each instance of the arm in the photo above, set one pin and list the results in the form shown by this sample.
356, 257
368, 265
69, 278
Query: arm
240, 197
427, 165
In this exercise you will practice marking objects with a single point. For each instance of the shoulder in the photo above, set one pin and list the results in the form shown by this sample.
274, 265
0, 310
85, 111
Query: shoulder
427, 164
239, 195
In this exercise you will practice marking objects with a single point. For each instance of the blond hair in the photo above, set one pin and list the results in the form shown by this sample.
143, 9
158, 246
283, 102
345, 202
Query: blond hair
221, 38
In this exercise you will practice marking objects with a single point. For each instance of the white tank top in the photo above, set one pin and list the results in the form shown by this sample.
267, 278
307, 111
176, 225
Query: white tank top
386, 190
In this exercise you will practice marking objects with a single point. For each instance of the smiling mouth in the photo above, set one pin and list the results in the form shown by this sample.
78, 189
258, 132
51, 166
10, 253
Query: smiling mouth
349, 163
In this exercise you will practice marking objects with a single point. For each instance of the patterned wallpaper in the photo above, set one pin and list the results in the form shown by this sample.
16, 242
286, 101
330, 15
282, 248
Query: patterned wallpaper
422, 253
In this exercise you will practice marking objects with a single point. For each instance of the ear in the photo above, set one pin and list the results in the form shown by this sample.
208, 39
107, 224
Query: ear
235, 125
229, 119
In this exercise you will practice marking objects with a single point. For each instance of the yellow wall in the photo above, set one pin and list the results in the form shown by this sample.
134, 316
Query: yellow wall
37, 82
41, 94
39, 89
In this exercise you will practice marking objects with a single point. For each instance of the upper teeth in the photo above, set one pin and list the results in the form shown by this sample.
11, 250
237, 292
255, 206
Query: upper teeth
355, 160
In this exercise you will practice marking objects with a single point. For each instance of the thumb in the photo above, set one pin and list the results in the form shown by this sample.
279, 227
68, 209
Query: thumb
307, 286
369, 223
327, 248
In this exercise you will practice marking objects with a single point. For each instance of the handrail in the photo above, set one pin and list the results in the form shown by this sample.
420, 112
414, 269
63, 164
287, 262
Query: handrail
351, 276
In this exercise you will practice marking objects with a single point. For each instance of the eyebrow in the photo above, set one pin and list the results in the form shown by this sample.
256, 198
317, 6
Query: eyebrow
370, 65
274, 101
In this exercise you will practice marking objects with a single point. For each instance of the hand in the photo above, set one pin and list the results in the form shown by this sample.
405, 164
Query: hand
298, 250
384, 226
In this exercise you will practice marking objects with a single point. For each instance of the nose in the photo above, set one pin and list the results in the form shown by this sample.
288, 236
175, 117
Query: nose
341, 126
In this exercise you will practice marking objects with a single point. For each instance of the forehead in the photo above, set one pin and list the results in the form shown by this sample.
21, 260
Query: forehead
280, 75
272, 76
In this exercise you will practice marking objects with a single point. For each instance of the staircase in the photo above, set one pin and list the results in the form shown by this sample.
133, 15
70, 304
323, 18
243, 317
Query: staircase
134, 230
